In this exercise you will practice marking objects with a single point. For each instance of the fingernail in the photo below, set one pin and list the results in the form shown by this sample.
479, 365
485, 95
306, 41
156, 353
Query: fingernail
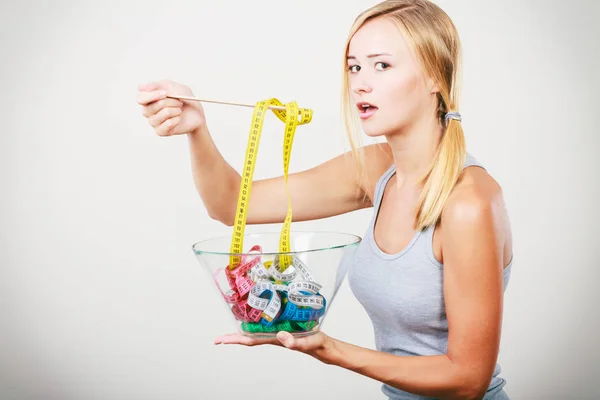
284, 338
163, 92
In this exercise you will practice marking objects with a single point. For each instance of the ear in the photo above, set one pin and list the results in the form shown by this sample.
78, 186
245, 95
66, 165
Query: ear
432, 85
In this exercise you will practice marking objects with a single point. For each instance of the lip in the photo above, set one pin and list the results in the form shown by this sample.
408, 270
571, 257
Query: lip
369, 112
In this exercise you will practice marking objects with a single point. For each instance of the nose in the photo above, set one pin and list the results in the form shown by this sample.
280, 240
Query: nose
359, 84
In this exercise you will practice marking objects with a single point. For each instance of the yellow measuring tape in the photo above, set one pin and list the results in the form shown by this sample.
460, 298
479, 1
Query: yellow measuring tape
292, 117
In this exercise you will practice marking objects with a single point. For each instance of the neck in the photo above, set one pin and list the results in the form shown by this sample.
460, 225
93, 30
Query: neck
414, 148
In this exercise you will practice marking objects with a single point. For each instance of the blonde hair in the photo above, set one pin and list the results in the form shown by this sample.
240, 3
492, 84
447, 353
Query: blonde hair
435, 41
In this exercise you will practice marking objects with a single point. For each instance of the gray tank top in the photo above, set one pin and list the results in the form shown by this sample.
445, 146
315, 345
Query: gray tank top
402, 294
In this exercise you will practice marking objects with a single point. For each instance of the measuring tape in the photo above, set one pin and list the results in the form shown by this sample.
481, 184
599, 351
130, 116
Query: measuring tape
263, 304
290, 118
278, 294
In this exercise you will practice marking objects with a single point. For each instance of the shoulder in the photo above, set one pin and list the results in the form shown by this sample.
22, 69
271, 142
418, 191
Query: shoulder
474, 226
377, 159
475, 211
475, 196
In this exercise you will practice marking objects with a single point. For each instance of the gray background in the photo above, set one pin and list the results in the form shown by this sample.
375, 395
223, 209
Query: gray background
100, 294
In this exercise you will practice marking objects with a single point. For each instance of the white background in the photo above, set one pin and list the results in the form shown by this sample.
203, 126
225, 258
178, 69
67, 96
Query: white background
100, 294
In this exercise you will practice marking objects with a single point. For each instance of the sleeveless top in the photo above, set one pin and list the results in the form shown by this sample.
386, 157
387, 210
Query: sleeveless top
402, 293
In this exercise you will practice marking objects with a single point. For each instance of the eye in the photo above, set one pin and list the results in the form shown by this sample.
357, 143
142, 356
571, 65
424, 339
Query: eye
383, 65
350, 68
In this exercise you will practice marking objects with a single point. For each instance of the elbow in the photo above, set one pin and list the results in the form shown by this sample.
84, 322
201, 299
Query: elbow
224, 219
472, 387
469, 382
472, 392
224, 210
227, 222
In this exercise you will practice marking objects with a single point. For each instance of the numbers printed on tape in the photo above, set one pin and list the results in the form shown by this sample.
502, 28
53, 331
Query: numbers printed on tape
259, 272
306, 286
290, 117
265, 296
274, 271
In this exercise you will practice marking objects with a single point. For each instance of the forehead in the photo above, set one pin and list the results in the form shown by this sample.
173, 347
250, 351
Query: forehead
380, 35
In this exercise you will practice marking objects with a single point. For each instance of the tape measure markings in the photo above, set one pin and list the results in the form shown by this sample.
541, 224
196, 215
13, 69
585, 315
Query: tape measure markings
264, 295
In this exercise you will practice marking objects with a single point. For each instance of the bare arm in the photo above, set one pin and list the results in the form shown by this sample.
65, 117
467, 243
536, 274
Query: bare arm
474, 235
476, 244
328, 189
214, 178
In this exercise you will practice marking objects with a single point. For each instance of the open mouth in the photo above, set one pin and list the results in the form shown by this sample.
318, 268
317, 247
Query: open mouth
366, 110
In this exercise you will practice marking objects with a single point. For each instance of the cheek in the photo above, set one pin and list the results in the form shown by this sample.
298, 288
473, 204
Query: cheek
405, 90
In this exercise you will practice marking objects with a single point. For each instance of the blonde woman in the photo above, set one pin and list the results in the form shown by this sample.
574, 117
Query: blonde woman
432, 267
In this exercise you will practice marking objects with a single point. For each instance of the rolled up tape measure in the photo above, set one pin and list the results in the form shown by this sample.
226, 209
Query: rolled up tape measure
278, 294
264, 305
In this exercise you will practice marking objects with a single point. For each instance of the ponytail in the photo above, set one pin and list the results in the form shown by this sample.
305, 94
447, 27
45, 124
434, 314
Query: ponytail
435, 41
444, 172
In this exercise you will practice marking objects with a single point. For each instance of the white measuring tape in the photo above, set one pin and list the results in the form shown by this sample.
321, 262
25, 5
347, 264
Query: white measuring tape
265, 303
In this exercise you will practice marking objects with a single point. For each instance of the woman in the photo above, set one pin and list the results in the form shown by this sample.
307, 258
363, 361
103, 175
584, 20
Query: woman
433, 264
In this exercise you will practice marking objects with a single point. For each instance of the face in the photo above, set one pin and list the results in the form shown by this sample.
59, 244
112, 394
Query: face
384, 74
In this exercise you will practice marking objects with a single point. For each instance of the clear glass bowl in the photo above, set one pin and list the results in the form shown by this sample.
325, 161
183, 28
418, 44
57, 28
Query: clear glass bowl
269, 291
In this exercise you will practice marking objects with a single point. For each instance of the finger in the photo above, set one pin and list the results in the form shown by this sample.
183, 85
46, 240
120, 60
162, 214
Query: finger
163, 115
148, 86
165, 84
168, 127
145, 98
238, 339
287, 339
233, 339
244, 340
154, 107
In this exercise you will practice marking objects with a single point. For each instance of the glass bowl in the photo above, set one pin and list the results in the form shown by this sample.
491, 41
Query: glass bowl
268, 291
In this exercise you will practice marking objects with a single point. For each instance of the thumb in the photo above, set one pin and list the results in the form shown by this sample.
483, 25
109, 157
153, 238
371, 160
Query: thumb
286, 339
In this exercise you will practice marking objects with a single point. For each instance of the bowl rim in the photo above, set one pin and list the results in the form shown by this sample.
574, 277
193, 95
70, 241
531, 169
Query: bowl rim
356, 240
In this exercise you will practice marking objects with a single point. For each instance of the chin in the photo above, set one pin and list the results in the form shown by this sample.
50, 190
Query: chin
372, 129
371, 132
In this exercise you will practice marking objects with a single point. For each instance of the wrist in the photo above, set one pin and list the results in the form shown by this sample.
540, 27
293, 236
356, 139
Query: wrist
199, 131
328, 352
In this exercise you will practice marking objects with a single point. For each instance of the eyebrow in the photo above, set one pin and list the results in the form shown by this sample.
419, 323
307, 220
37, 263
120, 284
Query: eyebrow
369, 56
